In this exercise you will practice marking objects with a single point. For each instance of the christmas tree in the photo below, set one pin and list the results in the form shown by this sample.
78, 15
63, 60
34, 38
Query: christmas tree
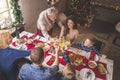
80, 8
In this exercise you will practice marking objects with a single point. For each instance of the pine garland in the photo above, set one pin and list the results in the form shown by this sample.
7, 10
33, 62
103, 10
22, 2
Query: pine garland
16, 12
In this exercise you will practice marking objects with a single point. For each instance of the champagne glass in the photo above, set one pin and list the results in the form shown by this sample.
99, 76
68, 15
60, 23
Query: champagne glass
61, 42
67, 43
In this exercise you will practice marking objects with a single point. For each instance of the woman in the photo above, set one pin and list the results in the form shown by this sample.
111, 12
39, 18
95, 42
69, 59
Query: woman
9, 55
71, 31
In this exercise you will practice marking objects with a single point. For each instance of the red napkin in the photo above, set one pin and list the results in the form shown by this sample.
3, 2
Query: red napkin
92, 55
30, 46
62, 61
34, 35
47, 54
51, 61
37, 41
14, 44
24, 37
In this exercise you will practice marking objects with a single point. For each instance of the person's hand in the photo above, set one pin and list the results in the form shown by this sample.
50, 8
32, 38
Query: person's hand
104, 56
51, 39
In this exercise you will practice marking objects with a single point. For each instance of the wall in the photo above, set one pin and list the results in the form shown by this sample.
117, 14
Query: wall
31, 10
107, 14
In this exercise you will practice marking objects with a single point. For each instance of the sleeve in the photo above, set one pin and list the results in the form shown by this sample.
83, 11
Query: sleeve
77, 45
53, 70
42, 27
20, 53
44, 31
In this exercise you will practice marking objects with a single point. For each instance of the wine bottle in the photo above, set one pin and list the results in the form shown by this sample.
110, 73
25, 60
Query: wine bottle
17, 33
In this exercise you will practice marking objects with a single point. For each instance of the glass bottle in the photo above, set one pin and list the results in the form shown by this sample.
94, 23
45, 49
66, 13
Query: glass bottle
17, 33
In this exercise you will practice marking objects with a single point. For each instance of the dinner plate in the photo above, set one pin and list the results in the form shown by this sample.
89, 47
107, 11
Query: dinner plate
87, 74
92, 64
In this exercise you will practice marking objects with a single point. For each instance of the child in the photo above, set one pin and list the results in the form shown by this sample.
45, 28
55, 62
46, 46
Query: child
89, 46
68, 72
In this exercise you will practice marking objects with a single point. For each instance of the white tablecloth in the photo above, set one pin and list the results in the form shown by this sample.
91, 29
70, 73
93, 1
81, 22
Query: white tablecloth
74, 50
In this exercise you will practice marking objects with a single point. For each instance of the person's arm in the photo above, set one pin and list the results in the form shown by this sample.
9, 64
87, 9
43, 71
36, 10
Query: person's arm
44, 31
57, 56
54, 69
62, 28
42, 26
19, 53
61, 20
76, 35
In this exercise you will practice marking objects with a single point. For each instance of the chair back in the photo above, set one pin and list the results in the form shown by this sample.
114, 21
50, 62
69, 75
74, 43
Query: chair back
98, 45
3, 76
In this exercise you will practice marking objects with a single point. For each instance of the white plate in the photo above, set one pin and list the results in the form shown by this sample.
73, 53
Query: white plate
92, 66
83, 74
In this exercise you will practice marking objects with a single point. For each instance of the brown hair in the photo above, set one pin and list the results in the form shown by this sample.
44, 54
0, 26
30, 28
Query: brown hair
92, 39
69, 71
73, 18
4, 36
37, 55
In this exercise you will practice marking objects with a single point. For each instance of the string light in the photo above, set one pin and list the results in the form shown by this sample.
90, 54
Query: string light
115, 7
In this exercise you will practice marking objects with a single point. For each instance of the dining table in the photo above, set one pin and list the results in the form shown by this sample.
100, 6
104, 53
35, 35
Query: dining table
80, 68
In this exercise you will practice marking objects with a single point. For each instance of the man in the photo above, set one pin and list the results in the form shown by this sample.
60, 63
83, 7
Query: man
46, 22
36, 71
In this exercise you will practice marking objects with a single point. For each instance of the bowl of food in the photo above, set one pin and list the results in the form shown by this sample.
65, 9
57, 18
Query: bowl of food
78, 60
29, 41
92, 64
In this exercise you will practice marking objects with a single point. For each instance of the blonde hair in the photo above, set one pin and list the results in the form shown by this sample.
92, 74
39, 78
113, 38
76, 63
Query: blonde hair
4, 36
69, 71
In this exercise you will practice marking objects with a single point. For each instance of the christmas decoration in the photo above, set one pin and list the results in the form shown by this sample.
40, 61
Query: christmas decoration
115, 7
80, 8
16, 12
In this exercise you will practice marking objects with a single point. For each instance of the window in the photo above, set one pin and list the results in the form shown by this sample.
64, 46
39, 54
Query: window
5, 14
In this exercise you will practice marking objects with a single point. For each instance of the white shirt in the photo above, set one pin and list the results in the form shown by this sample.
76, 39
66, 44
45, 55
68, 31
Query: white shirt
45, 24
